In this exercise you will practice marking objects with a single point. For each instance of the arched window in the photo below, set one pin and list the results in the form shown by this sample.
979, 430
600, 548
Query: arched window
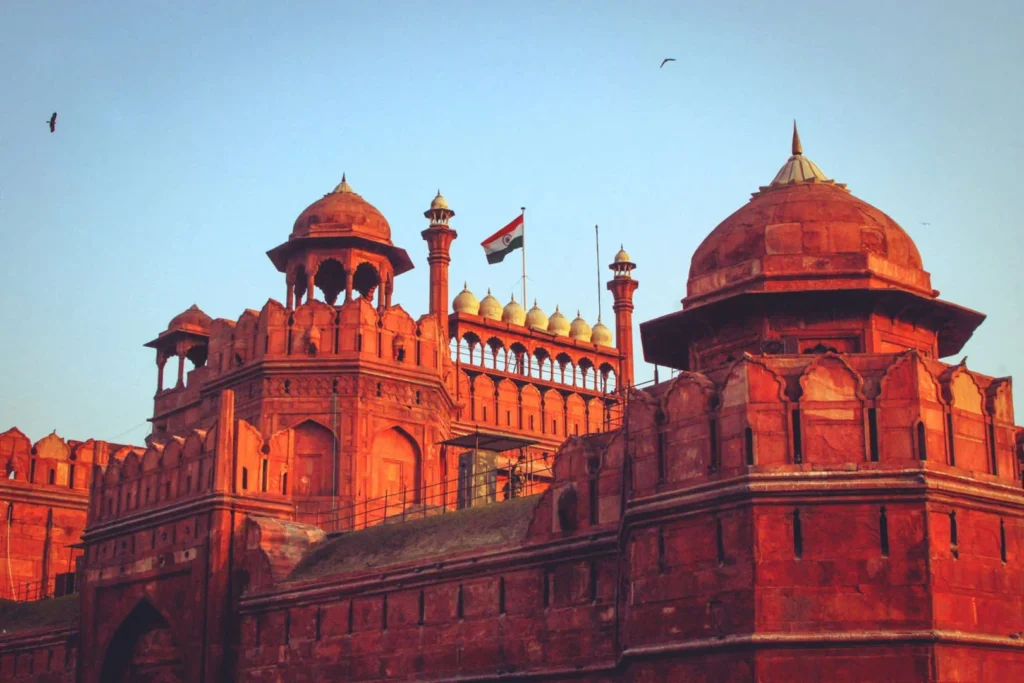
330, 279
365, 280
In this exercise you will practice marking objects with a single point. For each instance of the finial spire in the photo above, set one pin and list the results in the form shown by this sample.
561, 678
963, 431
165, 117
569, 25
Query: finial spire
343, 186
797, 147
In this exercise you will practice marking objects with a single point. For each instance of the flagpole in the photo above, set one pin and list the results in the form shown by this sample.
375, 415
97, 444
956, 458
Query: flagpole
597, 243
523, 208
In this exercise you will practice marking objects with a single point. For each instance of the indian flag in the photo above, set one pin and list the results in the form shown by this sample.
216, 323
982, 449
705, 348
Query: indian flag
503, 242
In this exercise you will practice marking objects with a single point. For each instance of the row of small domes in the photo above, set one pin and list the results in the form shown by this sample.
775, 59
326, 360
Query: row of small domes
535, 318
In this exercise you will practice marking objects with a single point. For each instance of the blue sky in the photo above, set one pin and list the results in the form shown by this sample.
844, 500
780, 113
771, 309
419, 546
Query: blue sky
191, 134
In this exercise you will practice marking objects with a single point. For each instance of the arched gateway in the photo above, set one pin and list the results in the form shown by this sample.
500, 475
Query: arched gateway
143, 650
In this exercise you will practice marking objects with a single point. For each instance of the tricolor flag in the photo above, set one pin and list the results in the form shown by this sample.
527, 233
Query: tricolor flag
503, 242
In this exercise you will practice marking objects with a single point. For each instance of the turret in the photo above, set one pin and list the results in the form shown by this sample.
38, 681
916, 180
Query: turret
439, 239
622, 285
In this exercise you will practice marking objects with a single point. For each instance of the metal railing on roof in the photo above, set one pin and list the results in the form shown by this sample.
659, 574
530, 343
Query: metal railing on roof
518, 479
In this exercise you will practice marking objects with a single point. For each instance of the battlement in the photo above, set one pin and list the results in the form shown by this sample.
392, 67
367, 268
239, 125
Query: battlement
822, 412
43, 499
353, 330
52, 462
236, 461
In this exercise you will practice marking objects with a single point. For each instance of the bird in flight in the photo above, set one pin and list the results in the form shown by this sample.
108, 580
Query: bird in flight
667, 59
925, 223
53, 122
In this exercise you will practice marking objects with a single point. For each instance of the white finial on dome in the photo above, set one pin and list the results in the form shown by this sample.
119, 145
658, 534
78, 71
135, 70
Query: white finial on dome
513, 313
600, 334
799, 169
343, 187
558, 323
490, 307
536, 318
466, 302
579, 329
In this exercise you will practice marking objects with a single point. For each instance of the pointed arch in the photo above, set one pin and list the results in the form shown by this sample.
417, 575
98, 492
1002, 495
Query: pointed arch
144, 645
365, 280
830, 378
330, 279
831, 426
909, 407
315, 452
689, 394
751, 380
396, 467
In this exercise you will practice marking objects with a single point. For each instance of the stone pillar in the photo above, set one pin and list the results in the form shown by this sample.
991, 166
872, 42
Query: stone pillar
290, 297
309, 289
161, 361
224, 464
181, 369
439, 238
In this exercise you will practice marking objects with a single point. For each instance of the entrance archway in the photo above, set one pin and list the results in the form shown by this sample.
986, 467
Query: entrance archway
143, 650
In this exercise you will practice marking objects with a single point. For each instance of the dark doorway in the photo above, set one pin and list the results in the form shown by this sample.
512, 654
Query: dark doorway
143, 650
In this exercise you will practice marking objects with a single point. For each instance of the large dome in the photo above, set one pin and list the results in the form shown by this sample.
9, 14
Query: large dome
342, 213
804, 232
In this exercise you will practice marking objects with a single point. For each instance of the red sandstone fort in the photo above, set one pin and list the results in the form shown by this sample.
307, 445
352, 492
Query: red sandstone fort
336, 490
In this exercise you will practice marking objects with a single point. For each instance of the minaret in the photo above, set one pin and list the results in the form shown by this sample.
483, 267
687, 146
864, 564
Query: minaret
622, 286
439, 240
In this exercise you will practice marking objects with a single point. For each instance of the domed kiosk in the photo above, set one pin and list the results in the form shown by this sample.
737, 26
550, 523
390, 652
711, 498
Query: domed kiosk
330, 240
805, 266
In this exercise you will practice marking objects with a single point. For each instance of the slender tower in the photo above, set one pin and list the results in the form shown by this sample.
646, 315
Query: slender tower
622, 286
439, 240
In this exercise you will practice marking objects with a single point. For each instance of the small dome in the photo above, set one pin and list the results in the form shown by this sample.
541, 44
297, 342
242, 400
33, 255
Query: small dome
622, 256
536, 317
580, 329
601, 335
439, 202
513, 313
466, 302
342, 213
191, 320
490, 307
558, 323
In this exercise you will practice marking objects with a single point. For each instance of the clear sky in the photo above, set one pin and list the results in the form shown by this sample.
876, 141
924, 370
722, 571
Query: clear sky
191, 134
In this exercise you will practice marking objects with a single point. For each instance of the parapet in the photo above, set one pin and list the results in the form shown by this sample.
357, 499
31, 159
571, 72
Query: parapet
53, 462
821, 412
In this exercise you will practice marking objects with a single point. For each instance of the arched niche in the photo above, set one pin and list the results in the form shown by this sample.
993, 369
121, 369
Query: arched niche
314, 467
395, 466
831, 426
